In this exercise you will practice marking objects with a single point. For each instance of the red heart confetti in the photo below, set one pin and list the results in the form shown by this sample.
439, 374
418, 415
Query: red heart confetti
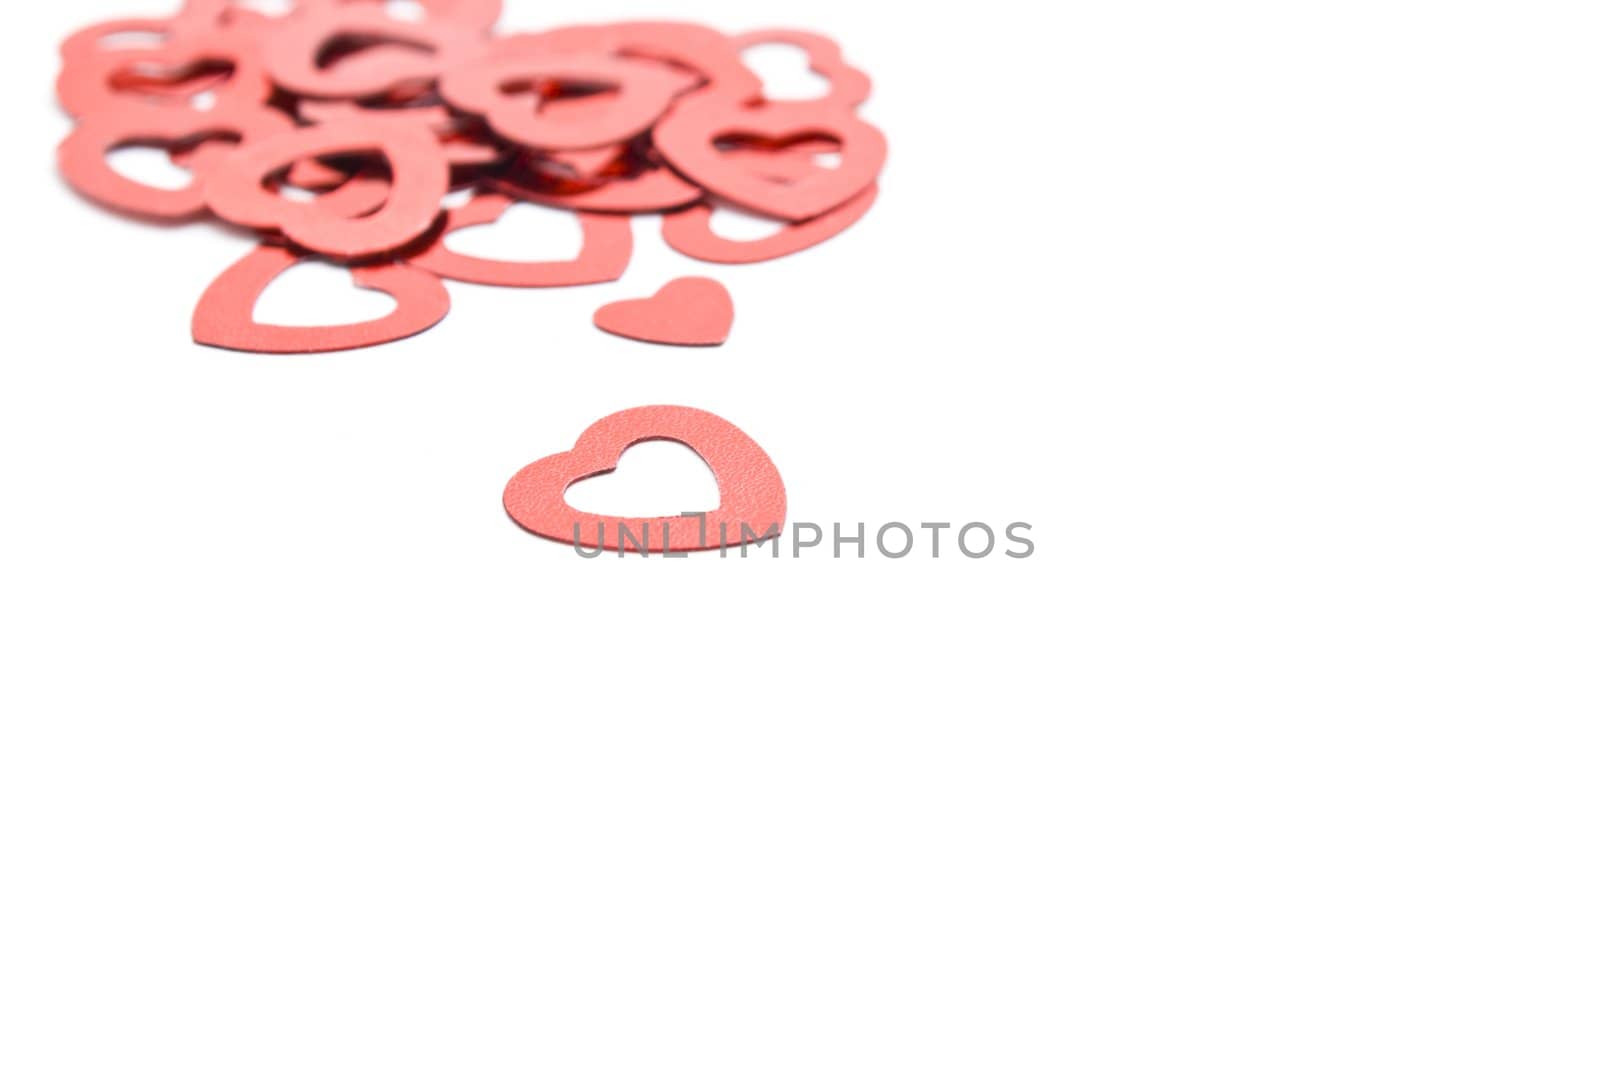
224, 317
753, 501
382, 115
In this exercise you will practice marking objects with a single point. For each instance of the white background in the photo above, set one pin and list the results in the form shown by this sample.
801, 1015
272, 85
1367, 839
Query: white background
1278, 321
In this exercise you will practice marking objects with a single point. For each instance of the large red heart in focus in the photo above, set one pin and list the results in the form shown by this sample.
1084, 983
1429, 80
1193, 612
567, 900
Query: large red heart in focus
688, 138
753, 499
686, 312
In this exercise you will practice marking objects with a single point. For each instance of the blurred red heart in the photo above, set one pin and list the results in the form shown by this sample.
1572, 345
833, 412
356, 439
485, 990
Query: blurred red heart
688, 138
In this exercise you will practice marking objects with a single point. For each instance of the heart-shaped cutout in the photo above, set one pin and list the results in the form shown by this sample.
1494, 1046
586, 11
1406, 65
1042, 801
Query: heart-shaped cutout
655, 478
848, 87
198, 138
116, 35
225, 316
221, 63
607, 248
686, 45
782, 162
693, 311
690, 233
753, 501
637, 93
635, 182
688, 137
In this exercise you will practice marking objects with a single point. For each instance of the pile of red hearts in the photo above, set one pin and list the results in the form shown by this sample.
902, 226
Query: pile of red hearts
337, 130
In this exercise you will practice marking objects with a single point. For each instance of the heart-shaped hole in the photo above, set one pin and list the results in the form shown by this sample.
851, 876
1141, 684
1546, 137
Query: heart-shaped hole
652, 479
783, 160
149, 165
311, 294
405, 10
560, 99
526, 232
341, 48
131, 39
194, 83
737, 225
785, 72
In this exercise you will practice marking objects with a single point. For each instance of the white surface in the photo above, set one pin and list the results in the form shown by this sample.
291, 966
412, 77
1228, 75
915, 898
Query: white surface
1278, 322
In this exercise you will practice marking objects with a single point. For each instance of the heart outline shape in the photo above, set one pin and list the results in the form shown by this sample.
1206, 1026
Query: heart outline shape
224, 316
420, 177
688, 138
644, 93
81, 156
690, 233
86, 87
848, 87
751, 489
691, 311
607, 248
291, 53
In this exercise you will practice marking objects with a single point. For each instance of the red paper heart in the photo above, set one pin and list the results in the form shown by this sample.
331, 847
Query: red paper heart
787, 161
607, 247
223, 63
642, 91
225, 315
405, 52
848, 86
688, 138
687, 45
655, 189
752, 494
690, 233
694, 311
461, 148
82, 156
235, 190
97, 37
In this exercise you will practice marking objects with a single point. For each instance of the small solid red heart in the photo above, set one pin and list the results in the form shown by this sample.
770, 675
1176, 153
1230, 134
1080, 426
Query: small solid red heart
753, 499
694, 311
225, 315
688, 137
